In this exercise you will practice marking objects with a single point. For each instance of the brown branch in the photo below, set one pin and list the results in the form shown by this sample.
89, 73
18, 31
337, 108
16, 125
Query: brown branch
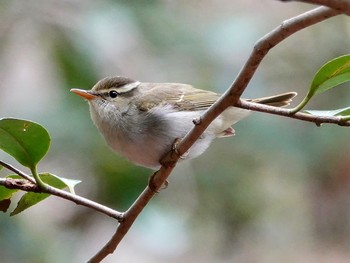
129, 218
318, 120
21, 184
16, 171
30, 186
231, 97
341, 5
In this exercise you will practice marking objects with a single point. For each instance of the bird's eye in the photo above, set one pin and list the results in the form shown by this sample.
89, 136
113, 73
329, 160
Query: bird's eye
113, 94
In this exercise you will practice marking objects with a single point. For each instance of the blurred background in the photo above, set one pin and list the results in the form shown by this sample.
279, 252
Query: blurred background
279, 191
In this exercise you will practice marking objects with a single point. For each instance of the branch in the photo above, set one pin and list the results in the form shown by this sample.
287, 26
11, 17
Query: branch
129, 218
16, 171
29, 185
261, 48
21, 184
231, 97
318, 120
340, 5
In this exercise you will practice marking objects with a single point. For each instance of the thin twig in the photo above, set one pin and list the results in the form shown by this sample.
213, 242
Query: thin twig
16, 171
124, 226
318, 120
32, 187
231, 97
21, 184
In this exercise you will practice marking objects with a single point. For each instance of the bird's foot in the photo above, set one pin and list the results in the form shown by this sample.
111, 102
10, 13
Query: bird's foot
152, 184
175, 150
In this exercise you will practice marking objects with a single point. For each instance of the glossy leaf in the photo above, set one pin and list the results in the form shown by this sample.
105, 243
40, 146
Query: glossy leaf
29, 199
70, 183
330, 75
26, 141
5, 197
325, 113
6, 193
333, 73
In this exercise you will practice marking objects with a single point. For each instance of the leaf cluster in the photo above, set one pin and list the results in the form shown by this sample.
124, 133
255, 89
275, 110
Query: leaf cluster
28, 142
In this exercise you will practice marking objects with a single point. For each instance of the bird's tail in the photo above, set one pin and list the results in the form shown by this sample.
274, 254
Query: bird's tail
279, 100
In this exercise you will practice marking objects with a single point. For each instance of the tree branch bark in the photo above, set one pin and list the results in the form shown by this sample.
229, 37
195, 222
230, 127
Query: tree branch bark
28, 185
318, 120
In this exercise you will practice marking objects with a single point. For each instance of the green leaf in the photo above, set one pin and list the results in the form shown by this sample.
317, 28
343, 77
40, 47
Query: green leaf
5, 197
26, 141
70, 183
330, 75
6, 193
333, 73
326, 113
30, 199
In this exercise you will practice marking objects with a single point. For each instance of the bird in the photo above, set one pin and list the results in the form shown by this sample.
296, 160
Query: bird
141, 120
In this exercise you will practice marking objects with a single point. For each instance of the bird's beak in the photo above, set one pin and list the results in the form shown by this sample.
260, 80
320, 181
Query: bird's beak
84, 94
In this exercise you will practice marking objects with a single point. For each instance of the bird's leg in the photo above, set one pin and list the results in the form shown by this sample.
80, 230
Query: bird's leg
167, 160
153, 186
174, 149
170, 159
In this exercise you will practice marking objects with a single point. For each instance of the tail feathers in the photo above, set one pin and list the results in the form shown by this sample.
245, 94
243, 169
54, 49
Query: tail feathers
279, 100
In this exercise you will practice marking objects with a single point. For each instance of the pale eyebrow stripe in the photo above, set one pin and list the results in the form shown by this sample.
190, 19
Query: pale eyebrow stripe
124, 89
128, 87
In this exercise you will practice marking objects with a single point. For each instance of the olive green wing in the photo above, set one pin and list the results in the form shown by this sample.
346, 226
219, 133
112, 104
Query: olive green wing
181, 96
